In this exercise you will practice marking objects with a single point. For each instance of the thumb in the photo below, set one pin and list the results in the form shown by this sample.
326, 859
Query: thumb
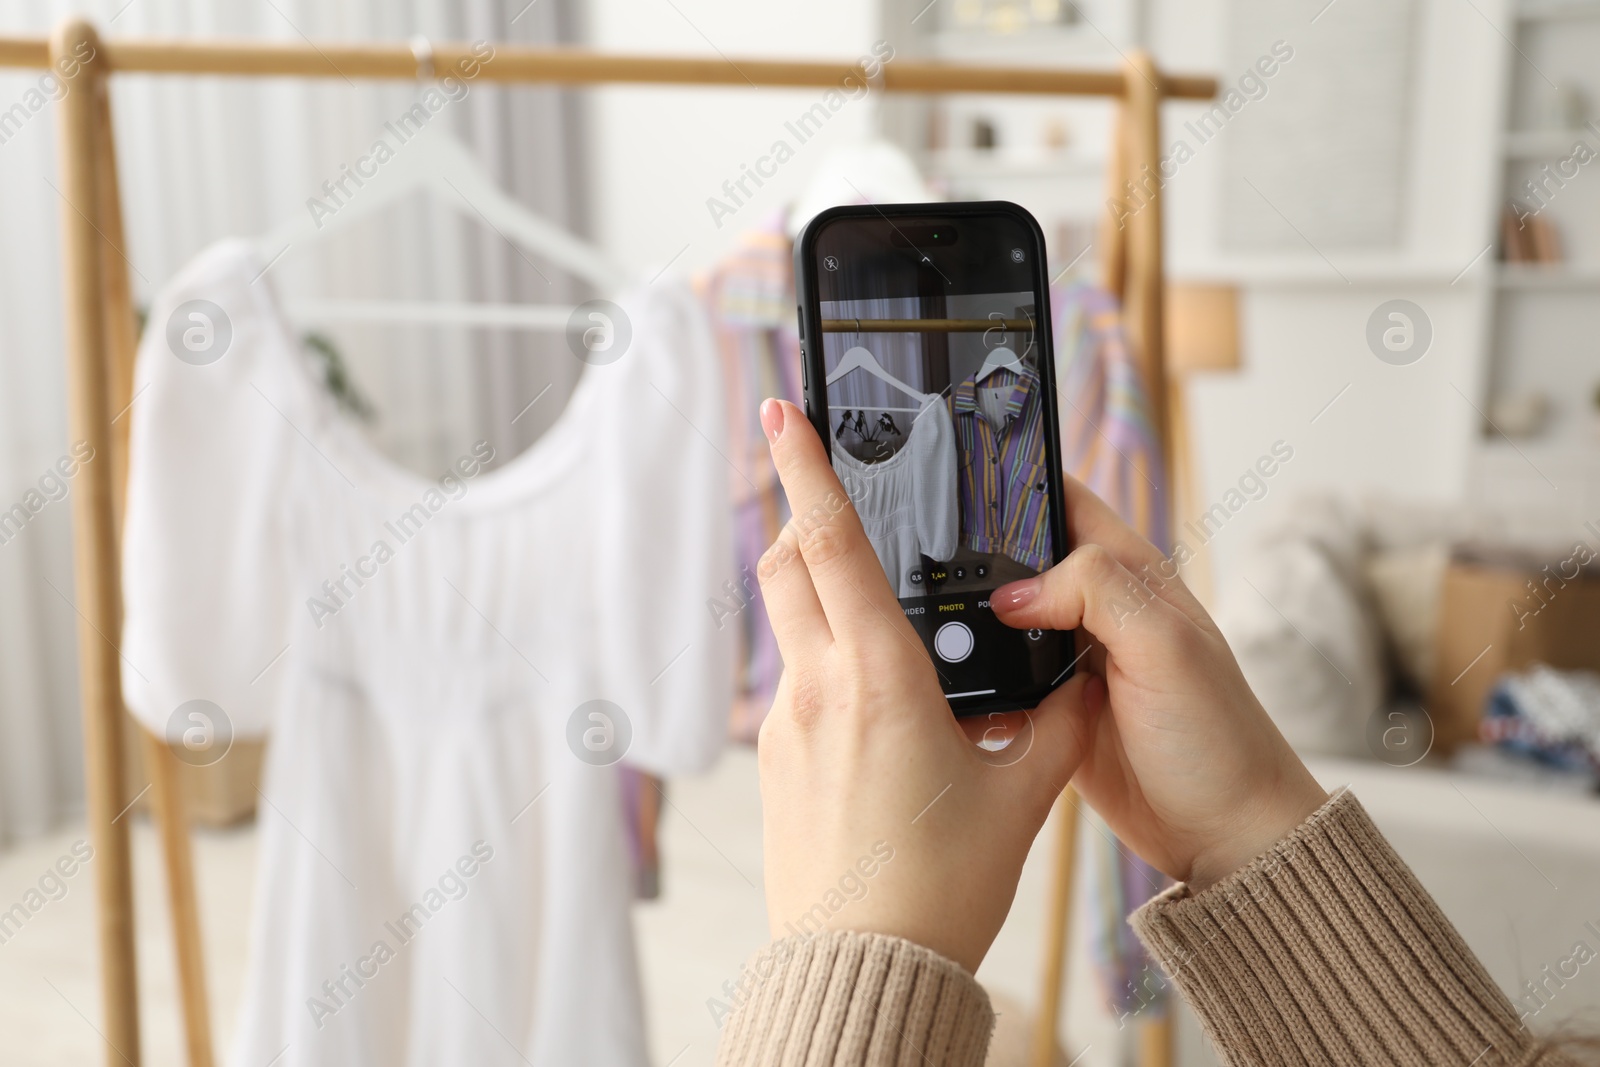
1048, 745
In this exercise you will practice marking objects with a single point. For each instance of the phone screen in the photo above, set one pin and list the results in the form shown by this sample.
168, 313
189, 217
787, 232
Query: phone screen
930, 337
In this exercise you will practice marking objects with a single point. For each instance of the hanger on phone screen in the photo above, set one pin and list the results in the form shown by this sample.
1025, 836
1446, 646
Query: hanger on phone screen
1002, 358
859, 358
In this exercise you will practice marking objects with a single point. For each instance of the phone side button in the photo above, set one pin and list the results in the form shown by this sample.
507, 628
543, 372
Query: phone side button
953, 642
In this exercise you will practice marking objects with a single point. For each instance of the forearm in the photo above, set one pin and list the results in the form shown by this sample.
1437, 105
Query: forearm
1327, 950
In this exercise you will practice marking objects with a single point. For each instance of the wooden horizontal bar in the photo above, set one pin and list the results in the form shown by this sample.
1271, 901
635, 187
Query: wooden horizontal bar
575, 66
24, 52
923, 325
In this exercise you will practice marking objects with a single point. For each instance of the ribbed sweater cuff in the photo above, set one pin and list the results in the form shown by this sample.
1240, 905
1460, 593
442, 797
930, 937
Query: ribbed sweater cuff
850, 998
1326, 950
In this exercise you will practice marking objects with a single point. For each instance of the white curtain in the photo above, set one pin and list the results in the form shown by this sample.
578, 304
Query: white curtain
204, 158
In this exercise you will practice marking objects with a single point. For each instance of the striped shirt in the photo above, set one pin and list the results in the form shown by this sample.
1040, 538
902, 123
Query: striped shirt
1107, 439
1004, 479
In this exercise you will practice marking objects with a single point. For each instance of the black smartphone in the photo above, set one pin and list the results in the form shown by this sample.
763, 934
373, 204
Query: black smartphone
926, 347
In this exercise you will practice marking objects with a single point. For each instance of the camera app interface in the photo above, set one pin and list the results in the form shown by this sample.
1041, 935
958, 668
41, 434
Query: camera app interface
942, 435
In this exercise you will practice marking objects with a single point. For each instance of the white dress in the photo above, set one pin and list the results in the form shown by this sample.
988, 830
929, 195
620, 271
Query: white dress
908, 502
423, 790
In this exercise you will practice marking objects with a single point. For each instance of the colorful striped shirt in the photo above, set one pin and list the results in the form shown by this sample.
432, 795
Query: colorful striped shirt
1107, 440
749, 297
1004, 477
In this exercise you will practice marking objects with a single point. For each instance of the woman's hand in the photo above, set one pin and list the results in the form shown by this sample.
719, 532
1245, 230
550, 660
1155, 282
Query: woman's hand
880, 812
1186, 767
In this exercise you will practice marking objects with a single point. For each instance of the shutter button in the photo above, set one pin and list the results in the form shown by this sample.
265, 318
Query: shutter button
953, 641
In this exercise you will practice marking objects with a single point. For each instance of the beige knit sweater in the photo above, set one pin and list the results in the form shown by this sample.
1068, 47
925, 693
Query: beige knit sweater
1324, 951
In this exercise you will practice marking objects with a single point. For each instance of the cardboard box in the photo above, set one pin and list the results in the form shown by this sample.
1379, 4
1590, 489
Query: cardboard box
1491, 621
218, 795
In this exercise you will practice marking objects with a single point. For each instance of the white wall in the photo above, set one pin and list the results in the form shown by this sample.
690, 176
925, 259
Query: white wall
659, 153
1404, 431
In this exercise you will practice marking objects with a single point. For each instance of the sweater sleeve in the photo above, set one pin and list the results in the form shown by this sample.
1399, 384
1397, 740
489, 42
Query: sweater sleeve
1327, 950
847, 998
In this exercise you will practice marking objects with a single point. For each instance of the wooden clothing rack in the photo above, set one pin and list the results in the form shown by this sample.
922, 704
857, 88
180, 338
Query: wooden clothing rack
101, 336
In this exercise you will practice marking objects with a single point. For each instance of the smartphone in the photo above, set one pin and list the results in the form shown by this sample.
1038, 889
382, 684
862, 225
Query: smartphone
926, 351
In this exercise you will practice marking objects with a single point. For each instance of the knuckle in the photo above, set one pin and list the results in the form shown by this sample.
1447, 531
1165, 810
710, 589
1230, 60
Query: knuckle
1091, 562
805, 701
824, 542
774, 560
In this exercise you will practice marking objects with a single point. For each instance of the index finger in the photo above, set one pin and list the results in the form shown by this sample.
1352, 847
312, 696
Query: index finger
844, 568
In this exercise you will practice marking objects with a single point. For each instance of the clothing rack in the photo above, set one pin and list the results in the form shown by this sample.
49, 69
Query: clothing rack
101, 337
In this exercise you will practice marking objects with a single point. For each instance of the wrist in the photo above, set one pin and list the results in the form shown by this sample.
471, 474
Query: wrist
1257, 826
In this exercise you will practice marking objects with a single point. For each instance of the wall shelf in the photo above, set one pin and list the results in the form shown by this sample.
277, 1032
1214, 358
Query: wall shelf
1541, 324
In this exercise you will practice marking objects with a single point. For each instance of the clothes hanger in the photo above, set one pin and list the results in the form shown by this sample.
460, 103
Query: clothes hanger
1001, 358
870, 171
435, 162
859, 358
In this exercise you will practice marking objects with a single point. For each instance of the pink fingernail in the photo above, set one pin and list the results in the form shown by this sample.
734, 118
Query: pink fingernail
772, 419
1017, 594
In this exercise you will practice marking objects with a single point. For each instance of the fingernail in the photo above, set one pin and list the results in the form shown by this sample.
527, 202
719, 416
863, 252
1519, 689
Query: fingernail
772, 419
1017, 594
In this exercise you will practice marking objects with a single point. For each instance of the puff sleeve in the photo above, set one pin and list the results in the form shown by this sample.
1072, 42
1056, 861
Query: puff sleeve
668, 590
203, 575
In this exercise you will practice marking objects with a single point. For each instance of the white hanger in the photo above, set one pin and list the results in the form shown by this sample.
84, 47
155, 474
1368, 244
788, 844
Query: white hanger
872, 171
858, 358
1002, 358
433, 160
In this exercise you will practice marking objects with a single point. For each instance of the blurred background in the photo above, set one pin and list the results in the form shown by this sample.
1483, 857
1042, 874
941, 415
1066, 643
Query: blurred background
1383, 243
